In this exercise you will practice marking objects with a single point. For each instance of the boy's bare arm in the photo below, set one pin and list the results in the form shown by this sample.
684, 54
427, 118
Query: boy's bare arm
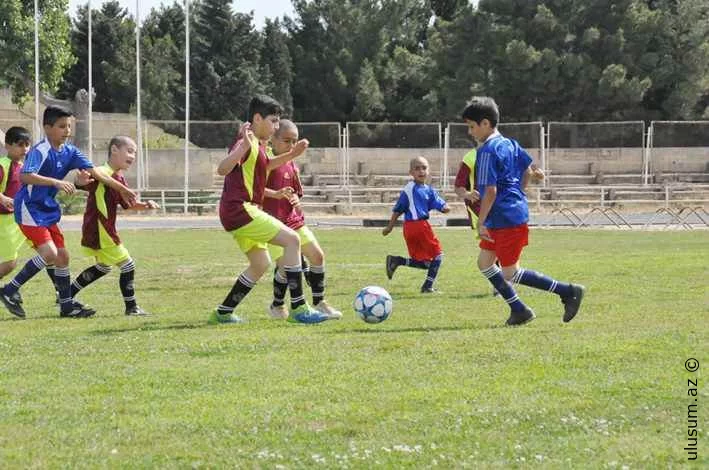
278, 194
126, 193
140, 205
235, 156
35, 179
300, 147
486, 204
392, 221
7, 202
463, 193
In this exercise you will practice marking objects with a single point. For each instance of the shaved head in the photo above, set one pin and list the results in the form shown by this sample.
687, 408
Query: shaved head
285, 125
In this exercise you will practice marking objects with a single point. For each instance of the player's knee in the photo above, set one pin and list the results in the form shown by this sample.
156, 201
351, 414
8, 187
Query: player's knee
317, 258
509, 272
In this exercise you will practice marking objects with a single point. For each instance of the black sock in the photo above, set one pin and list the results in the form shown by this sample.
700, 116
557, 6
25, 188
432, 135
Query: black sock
51, 273
317, 283
295, 286
126, 283
432, 272
239, 290
88, 276
280, 287
28, 271
412, 263
63, 283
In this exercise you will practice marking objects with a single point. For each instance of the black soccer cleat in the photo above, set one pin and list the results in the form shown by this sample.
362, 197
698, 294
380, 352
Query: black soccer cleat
572, 303
12, 304
429, 290
17, 297
78, 311
521, 317
391, 266
136, 312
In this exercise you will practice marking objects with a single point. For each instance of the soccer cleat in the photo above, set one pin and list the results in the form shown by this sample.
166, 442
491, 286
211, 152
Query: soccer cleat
78, 311
521, 317
429, 290
12, 305
330, 312
137, 312
17, 297
391, 266
572, 303
279, 312
305, 314
216, 318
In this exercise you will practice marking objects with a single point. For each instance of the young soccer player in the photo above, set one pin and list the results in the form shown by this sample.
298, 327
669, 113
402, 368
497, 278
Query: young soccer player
99, 237
282, 200
502, 167
245, 169
415, 201
38, 213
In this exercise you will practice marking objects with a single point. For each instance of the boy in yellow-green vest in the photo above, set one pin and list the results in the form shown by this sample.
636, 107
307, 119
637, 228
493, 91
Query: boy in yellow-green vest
17, 143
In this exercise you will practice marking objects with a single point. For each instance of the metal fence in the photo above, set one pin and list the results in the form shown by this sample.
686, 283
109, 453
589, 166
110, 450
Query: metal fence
361, 154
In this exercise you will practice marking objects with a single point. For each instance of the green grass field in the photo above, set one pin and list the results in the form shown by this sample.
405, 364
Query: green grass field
441, 383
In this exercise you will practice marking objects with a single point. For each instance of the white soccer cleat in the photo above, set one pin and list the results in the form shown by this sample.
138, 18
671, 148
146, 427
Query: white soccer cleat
330, 312
278, 312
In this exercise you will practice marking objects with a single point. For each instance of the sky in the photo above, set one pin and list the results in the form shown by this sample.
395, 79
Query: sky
262, 8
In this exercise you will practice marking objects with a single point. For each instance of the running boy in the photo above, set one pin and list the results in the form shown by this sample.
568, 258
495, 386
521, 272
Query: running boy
99, 237
245, 170
38, 213
282, 200
502, 167
415, 201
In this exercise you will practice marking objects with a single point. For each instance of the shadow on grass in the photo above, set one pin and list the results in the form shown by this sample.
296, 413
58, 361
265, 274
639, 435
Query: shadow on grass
457, 295
418, 329
149, 327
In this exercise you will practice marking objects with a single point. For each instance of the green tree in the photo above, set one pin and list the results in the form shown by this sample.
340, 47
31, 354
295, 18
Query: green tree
17, 44
369, 98
114, 78
276, 64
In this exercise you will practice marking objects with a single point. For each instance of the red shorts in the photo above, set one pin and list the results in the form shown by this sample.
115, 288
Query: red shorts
41, 235
421, 241
507, 243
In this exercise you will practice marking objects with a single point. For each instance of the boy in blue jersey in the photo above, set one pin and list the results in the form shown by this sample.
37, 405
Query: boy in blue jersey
416, 200
503, 169
38, 213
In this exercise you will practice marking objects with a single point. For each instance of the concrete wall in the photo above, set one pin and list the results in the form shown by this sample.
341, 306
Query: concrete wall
166, 166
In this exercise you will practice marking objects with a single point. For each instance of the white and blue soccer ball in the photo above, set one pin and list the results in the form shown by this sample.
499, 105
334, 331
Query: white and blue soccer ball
373, 304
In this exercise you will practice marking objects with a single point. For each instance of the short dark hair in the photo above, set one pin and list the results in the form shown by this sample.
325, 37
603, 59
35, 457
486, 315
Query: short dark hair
263, 105
482, 107
119, 141
16, 135
54, 113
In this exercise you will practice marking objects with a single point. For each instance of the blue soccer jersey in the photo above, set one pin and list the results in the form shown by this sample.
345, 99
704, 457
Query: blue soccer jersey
34, 204
502, 162
416, 200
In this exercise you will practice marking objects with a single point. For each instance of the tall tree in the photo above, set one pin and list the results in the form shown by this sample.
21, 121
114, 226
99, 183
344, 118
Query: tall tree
113, 58
276, 64
17, 45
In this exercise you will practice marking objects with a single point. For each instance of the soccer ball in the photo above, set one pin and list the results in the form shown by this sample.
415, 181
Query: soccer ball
373, 304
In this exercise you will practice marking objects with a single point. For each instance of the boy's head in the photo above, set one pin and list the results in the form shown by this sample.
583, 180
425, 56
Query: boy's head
122, 152
418, 169
285, 137
481, 115
17, 142
264, 114
57, 124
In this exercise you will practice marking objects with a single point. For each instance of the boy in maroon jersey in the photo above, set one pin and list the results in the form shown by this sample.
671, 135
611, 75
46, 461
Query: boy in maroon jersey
282, 200
99, 237
245, 169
